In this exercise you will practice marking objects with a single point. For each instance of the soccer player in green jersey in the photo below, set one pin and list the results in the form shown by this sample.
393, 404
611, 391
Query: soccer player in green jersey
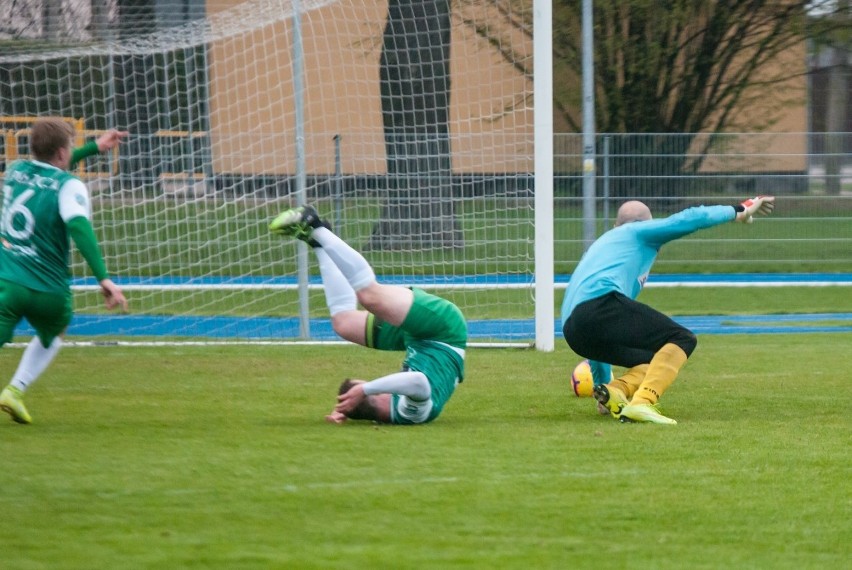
43, 205
432, 331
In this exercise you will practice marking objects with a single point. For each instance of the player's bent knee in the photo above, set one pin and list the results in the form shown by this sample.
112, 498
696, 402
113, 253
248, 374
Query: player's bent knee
686, 340
349, 325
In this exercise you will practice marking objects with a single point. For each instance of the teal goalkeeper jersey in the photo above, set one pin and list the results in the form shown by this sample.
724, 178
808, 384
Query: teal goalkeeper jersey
38, 199
621, 259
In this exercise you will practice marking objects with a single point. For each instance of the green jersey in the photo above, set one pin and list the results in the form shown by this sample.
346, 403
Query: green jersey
434, 338
38, 200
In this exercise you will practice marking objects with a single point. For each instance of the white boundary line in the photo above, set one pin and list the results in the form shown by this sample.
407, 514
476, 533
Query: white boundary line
162, 343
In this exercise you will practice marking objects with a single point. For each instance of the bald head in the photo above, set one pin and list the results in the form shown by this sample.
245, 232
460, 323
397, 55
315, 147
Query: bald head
632, 211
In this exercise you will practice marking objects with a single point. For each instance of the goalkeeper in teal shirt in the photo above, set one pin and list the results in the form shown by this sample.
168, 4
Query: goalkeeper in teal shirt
602, 321
44, 205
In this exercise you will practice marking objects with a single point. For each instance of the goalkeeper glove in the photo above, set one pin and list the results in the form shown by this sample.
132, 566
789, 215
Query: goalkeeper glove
762, 205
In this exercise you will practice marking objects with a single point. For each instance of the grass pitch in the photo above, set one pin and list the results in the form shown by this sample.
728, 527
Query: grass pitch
218, 457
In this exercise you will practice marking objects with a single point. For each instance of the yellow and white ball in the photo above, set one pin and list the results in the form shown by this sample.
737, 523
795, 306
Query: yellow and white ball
582, 383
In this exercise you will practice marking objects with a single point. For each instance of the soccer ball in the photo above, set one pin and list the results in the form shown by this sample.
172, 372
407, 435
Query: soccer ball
582, 382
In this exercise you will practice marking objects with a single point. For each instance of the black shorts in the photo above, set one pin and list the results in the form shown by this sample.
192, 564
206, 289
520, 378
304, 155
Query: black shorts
617, 330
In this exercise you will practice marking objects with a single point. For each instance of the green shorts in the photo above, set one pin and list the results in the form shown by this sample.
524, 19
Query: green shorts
48, 313
434, 338
430, 318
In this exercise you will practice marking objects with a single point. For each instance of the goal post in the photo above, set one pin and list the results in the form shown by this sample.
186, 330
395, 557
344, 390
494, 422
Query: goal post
543, 164
422, 130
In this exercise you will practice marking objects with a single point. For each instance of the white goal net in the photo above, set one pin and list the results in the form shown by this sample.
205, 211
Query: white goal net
408, 124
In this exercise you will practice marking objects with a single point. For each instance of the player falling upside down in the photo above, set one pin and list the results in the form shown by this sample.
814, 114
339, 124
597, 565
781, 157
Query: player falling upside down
432, 331
602, 321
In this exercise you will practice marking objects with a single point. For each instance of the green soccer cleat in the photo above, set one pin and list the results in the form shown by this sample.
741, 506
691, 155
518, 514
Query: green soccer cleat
12, 402
610, 400
298, 223
644, 413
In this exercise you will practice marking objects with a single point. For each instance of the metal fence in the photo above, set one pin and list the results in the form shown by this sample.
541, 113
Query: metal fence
810, 231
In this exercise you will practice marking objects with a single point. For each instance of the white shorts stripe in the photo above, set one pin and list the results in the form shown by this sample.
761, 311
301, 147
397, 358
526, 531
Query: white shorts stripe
412, 410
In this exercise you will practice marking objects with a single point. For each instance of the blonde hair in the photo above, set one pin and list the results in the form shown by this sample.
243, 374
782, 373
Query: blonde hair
47, 136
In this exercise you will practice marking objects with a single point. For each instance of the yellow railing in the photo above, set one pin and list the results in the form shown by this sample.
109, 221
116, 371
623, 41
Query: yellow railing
17, 129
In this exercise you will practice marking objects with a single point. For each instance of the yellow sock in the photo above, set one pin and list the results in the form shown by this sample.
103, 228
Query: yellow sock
661, 373
630, 381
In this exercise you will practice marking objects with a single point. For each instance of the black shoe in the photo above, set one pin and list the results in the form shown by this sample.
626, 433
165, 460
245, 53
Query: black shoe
612, 399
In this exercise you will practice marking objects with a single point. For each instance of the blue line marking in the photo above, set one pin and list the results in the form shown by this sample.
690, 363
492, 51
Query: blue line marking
271, 328
257, 328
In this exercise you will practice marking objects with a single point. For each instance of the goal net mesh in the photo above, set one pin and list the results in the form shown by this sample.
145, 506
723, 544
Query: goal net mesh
408, 125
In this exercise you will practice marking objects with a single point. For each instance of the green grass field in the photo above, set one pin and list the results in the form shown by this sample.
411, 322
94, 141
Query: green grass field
202, 457
221, 238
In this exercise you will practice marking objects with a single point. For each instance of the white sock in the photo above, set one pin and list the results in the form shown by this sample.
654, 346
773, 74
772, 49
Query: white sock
35, 360
339, 295
351, 264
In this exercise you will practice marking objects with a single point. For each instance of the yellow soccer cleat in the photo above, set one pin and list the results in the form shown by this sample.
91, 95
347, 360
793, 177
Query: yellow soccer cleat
610, 400
12, 402
299, 223
644, 413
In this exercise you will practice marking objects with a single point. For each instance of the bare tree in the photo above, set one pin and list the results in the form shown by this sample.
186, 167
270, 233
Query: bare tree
52, 18
668, 66
21, 19
415, 88
102, 14
686, 67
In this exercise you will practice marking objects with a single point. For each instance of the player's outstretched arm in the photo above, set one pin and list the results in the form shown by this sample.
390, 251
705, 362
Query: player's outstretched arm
113, 296
107, 141
762, 205
110, 139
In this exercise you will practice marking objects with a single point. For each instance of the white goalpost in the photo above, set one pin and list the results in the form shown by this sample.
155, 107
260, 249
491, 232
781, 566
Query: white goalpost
421, 130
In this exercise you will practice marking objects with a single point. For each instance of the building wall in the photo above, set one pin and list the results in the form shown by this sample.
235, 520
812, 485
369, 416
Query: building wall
253, 117
252, 104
